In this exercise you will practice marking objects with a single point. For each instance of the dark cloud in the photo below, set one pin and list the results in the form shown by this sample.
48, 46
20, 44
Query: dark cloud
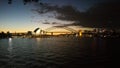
46, 23
66, 25
104, 15
66, 12
45, 7
54, 23
100, 15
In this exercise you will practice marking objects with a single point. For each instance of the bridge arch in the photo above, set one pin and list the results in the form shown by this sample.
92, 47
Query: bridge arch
48, 31
63, 27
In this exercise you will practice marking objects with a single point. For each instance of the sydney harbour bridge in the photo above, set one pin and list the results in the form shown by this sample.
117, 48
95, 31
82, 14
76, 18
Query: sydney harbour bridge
51, 31
70, 31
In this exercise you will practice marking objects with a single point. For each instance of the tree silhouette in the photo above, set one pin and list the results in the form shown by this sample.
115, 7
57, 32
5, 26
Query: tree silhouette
2, 35
9, 1
5, 35
9, 34
25, 1
29, 33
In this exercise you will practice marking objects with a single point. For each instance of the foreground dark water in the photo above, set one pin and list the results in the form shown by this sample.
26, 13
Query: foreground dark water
59, 52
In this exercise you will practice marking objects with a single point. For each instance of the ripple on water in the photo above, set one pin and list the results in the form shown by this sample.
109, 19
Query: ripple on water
54, 53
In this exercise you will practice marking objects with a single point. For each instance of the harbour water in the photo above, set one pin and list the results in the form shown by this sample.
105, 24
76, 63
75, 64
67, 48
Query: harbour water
59, 52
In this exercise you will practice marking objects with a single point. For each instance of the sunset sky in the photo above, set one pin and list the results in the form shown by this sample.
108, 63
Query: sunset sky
17, 17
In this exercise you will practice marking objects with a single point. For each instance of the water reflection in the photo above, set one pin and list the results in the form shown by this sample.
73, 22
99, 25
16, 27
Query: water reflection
38, 40
10, 47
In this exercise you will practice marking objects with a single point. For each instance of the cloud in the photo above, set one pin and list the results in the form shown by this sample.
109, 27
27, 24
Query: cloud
100, 15
44, 8
46, 23
66, 12
66, 25
55, 23
104, 15
52, 23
